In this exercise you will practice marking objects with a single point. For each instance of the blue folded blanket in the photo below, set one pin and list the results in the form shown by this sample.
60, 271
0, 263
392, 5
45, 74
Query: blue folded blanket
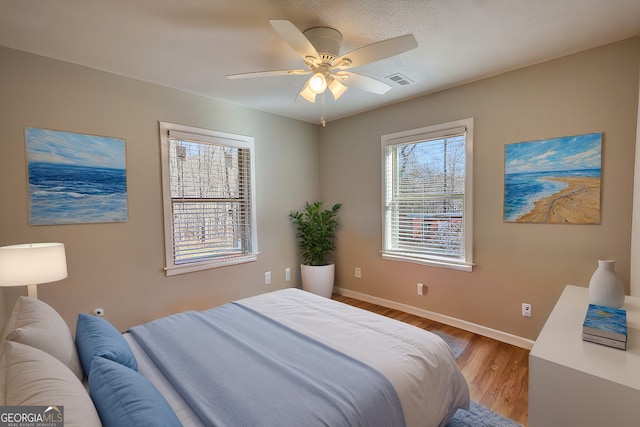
236, 367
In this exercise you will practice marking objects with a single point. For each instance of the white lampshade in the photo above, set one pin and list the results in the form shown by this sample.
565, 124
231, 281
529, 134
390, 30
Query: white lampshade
337, 89
32, 263
308, 94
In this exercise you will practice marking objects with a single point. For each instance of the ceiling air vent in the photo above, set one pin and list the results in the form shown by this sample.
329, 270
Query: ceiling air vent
400, 79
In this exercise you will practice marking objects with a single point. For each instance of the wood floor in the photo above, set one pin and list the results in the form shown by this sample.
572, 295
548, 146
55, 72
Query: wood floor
497, 373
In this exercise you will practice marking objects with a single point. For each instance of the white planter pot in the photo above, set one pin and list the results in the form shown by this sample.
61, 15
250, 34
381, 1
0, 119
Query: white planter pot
318, 279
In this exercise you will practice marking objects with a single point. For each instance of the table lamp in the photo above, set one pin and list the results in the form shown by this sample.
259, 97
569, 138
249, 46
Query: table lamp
32, 263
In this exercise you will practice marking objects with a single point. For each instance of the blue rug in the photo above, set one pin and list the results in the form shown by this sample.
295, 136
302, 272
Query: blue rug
458, 345
480, 416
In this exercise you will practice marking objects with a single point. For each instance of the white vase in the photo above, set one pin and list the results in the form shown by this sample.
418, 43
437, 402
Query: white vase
318, 279
605, 287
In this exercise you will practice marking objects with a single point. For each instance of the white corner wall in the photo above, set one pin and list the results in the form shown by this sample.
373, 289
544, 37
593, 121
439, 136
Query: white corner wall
635, 227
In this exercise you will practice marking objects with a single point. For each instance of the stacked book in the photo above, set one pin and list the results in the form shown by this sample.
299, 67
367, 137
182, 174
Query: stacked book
606, 326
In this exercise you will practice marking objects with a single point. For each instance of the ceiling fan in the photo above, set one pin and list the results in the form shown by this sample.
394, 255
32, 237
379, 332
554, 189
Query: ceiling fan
319, 48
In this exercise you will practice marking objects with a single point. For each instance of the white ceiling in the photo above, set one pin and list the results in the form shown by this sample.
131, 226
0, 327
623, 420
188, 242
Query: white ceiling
193, 44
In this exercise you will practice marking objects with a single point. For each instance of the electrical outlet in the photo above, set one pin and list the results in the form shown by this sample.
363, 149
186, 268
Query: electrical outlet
420, 289
358, 272
267, 278
526, 309
287, 274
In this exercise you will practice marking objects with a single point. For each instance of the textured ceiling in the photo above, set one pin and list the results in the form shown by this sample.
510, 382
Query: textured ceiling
193, 44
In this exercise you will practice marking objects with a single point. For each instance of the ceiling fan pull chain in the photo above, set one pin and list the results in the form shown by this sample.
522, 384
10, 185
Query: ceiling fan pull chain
322, 121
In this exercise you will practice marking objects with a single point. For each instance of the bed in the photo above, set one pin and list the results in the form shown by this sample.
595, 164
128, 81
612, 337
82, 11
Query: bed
285, 358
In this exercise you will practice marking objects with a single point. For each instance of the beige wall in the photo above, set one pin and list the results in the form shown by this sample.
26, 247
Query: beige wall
592, 91
119, 266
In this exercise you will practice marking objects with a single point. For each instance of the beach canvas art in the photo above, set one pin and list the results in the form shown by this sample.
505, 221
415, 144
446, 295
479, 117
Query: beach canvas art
554, 181
75, 178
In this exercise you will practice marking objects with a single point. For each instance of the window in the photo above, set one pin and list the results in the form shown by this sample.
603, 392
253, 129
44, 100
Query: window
427, 196
209, 203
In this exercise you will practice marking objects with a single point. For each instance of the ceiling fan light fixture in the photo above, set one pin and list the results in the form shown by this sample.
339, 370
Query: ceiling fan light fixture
337, 89
318, 83
308, 94
319, 48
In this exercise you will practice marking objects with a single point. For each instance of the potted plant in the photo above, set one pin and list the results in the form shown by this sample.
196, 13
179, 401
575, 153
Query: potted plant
316, 233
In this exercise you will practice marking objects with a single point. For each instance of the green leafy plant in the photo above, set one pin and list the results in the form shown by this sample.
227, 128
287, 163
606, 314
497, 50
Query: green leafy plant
316, 231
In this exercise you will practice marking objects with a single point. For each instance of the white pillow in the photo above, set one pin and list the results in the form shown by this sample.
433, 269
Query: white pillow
35, 323
34, 378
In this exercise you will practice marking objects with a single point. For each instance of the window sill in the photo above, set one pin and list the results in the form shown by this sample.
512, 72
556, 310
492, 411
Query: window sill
395, 256
223, 262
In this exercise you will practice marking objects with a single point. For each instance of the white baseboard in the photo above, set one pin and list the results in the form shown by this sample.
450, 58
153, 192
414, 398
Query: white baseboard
447, 320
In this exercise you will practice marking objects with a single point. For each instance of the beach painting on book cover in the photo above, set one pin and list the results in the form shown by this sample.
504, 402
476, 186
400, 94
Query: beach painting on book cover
75, 178
553, 181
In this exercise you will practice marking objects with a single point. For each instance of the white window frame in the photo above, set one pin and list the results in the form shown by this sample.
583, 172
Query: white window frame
464, 263
203, 135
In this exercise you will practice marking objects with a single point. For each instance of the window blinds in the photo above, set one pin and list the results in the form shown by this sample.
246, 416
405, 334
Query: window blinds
210, 188
425, 194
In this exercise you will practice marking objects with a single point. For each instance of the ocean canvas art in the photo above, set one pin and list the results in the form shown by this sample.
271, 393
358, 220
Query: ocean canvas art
75, 178
554, 181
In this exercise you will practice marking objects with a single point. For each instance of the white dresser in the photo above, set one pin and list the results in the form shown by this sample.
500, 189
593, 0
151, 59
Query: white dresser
577, 383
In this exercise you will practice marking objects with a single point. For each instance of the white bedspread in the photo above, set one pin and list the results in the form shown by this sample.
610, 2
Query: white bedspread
419, 364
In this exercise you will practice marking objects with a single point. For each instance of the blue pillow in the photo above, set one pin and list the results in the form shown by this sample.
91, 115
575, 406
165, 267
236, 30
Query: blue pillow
97, 337
124, 398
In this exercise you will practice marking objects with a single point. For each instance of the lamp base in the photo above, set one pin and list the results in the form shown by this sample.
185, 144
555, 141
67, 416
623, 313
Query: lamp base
32, 291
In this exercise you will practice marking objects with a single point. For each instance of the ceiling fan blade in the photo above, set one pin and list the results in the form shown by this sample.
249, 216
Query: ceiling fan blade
367, 84
294, 38
376, 52
337, 88
307, 93
267, 74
